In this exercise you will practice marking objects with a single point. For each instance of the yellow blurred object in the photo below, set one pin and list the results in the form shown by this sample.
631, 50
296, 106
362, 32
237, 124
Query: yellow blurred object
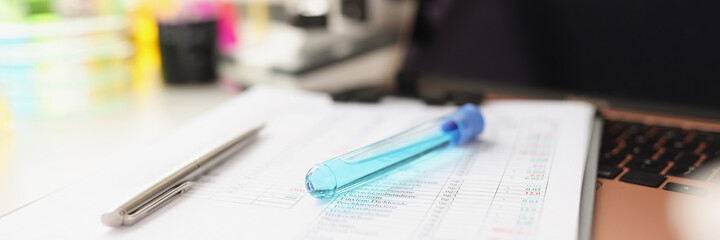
5, 133
146, 64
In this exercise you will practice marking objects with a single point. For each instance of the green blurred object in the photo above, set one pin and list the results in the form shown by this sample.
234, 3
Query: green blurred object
42, 17
54, 10
26, 11
39, 6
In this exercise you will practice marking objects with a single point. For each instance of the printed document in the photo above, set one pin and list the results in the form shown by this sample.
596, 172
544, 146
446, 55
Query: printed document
521, 179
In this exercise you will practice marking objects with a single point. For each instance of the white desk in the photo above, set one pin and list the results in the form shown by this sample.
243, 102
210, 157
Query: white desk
45, 155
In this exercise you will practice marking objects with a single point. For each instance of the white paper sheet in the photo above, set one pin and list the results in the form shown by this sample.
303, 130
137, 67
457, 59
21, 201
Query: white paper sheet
521, 179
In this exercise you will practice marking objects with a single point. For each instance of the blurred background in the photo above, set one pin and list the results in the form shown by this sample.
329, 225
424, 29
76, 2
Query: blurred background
82, 82
85, 82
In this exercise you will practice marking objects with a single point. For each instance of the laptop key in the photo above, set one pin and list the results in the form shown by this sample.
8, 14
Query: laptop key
639, 140
647, 165
647, 179
608, 144
712, 151
711, 140
634, 129
709, 137
687, 189
678, 146
639, 151
608, 171
685, 158
689, 171
610, 159
671, 133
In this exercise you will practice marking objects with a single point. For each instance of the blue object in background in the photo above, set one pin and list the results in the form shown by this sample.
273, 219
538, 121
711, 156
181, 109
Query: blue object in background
355, 168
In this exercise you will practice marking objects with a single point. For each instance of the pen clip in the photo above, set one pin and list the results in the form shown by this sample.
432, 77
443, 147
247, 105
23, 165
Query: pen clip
156, 203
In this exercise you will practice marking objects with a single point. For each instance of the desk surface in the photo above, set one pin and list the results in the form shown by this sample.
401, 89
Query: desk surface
44, 155
40, 156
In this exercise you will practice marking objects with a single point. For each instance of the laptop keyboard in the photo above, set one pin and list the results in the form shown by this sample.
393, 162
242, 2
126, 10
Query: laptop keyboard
650, 153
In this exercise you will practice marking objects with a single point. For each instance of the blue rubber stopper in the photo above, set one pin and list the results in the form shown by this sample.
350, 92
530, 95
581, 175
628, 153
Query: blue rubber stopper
467, 120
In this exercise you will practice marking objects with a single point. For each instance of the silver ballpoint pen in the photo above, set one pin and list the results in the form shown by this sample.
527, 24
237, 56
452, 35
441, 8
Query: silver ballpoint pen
176, 182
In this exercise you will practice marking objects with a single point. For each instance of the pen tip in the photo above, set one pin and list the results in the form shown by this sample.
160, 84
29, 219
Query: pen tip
112, 219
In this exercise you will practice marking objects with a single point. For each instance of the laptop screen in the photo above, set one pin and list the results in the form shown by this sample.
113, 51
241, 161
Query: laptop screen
662, 51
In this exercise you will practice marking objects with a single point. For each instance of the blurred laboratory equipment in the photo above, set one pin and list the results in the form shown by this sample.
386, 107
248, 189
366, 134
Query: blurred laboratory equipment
189, 43
188, 51
301, 36
69, 57
59, 58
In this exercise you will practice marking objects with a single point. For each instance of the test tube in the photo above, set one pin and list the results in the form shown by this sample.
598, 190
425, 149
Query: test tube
352, 169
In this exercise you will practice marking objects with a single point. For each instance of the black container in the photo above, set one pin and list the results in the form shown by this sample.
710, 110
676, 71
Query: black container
188, 52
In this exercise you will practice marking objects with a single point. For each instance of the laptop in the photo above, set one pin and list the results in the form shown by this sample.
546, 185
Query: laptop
651, 67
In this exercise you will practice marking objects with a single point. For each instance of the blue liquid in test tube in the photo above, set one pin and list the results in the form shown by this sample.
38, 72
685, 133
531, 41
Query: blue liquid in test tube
355, 168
